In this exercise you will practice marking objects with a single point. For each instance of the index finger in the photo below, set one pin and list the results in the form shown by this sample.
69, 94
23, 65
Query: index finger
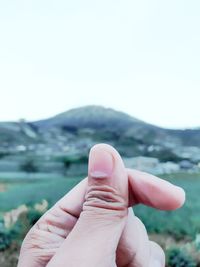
144, 189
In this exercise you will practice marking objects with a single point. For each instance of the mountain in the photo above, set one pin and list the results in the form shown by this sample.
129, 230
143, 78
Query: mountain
93, 117
121, 124
99, 124
99, 119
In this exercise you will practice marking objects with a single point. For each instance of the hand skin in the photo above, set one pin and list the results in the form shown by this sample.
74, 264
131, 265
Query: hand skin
93, 225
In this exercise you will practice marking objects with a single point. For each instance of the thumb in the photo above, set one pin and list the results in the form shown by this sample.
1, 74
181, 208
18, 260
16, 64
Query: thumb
95, 237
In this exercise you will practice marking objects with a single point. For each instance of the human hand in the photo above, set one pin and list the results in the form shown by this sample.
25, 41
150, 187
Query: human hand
92, 226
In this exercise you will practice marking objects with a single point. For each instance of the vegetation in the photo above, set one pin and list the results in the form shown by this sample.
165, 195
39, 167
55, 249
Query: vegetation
5, 238
162, 223
177, 257
29, 166
164, 155
33, 191
171, 222
3, 154
69, 160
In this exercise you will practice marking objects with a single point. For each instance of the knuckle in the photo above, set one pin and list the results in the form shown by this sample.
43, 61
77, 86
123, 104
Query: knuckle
105, 199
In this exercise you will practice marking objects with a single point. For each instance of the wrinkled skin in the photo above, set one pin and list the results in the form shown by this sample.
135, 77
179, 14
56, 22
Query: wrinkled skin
93, 225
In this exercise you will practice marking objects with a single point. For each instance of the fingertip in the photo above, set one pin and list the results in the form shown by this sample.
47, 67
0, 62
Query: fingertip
180, 197
101, 163
152, 191
106, 167
103, 146
175, 198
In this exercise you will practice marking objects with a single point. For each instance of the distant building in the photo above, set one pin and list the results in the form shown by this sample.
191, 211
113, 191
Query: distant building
151, 165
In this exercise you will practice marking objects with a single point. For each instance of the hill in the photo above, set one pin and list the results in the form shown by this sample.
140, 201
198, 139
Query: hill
94, 117
109, 120
87, 125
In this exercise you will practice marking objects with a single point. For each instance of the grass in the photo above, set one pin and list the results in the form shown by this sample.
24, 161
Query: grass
174, 228
182, 223
30, 191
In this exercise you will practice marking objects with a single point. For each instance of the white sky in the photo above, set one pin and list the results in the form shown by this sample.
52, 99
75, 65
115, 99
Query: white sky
140, 57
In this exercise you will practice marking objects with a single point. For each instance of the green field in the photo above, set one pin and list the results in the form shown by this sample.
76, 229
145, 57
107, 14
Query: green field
30, 191
183, 222
182, 225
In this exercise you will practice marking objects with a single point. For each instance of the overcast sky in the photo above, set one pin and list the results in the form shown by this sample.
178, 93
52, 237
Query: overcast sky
140, 57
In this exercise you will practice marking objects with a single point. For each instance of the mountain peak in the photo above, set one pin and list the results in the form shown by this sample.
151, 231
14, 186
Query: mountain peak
94, 110
90, 116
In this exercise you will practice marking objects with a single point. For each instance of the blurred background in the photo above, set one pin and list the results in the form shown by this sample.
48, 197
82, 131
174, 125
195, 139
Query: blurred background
77, 73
